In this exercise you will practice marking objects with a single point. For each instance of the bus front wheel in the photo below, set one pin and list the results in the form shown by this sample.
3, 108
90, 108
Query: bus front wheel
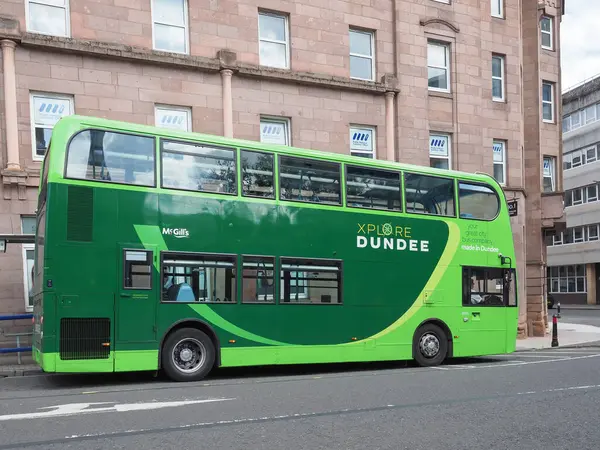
430, 345
188, 355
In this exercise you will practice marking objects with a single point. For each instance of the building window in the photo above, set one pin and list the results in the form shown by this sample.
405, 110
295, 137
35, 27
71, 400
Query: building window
28, 226
173, 117
498, 78
498, 8
589, 114
438, 66
275, 130
273, 36
592, 232
48, 17
362, 61
46, 110
567, 279
439, 151
499, 149
311, 281
170, 25
549, 174
362, 142
546, 33
548, 101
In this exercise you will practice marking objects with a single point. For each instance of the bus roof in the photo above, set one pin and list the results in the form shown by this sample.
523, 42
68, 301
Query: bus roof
79, 121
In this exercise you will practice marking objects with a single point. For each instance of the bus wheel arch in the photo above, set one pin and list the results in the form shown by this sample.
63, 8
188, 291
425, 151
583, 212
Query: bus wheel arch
192, 324
433, 332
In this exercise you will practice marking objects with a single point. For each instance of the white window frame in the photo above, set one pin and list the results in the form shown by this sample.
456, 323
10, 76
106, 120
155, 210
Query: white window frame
66, 7
287, 127
371, 35
447, 2
503, 163
354, 128
447, 136
551, 102
25, 248
589, 236
594, 196
186, 28
34, 124
566, 123
501, 78
588, 118
549, 33
575, 120
166, 108
448, 67
286, 42
582, 238
558, 239
499, 11
594, 158
552, 161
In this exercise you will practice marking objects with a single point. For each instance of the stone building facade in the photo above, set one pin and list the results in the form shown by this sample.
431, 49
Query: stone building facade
466, 84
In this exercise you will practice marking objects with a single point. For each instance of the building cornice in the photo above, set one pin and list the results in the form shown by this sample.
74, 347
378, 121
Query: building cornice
225, 59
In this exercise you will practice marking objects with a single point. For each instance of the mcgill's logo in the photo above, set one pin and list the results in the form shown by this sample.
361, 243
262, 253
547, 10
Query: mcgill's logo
177, 232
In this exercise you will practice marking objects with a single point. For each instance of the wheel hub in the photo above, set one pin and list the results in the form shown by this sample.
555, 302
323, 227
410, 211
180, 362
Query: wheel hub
189, 355
429, 345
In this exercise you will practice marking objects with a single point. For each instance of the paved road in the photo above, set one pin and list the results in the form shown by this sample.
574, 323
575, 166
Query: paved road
571, 314
532, 400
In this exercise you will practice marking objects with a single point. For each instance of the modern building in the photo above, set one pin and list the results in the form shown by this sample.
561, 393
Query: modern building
465, 84
574, 254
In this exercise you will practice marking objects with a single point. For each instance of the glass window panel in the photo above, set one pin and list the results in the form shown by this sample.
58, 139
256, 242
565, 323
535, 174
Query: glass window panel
258, 279
190, 278
439, 163
47, 19
580, 284
438, 78
360, 43
497, 67
436, 194
436, 55
477, 202
273, 55
198, 167
170, 12
309, 180
111, 157
257, 174
547, 92
138, 269
373, 188
169, 38
361, 67
497, 88
272, 27
320, 281
499, 173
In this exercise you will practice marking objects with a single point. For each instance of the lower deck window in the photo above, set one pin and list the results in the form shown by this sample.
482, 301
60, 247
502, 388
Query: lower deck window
487, 286
189, 277
258, 279
311, 281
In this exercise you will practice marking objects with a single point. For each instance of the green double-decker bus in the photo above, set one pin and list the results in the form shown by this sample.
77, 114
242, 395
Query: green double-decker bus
163, 250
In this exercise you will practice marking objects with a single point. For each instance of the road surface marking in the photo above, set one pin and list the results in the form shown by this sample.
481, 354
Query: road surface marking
72, 409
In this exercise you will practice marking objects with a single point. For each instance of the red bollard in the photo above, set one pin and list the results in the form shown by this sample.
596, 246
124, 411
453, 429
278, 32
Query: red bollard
554, 331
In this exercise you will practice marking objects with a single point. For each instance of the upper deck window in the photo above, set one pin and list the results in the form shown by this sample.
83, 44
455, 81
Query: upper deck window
309, 180
477, 201
198, 167
111, 157
426, 194
373, 188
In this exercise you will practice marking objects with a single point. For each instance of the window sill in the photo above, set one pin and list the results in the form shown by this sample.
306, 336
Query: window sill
441, 94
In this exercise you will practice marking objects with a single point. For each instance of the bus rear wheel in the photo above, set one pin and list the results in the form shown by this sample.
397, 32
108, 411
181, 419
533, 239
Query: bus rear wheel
188, 354
430, 345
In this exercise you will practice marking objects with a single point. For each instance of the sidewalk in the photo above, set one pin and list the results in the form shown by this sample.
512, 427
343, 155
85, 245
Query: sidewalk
18, 370
569, 335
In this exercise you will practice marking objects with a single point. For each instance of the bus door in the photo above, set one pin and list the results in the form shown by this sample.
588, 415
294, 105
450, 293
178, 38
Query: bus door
136, 301
484, 314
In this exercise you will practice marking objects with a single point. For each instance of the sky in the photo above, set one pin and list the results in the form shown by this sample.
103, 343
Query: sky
580, 43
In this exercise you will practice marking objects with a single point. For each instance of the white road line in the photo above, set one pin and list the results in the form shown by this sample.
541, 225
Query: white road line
288, 416
72, 409
515, 363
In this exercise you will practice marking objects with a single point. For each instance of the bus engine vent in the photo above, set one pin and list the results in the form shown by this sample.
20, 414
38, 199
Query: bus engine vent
84, 338
80, 214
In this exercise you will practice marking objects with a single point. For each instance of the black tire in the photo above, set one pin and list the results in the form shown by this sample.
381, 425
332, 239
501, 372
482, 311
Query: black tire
430, 345
188, 347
